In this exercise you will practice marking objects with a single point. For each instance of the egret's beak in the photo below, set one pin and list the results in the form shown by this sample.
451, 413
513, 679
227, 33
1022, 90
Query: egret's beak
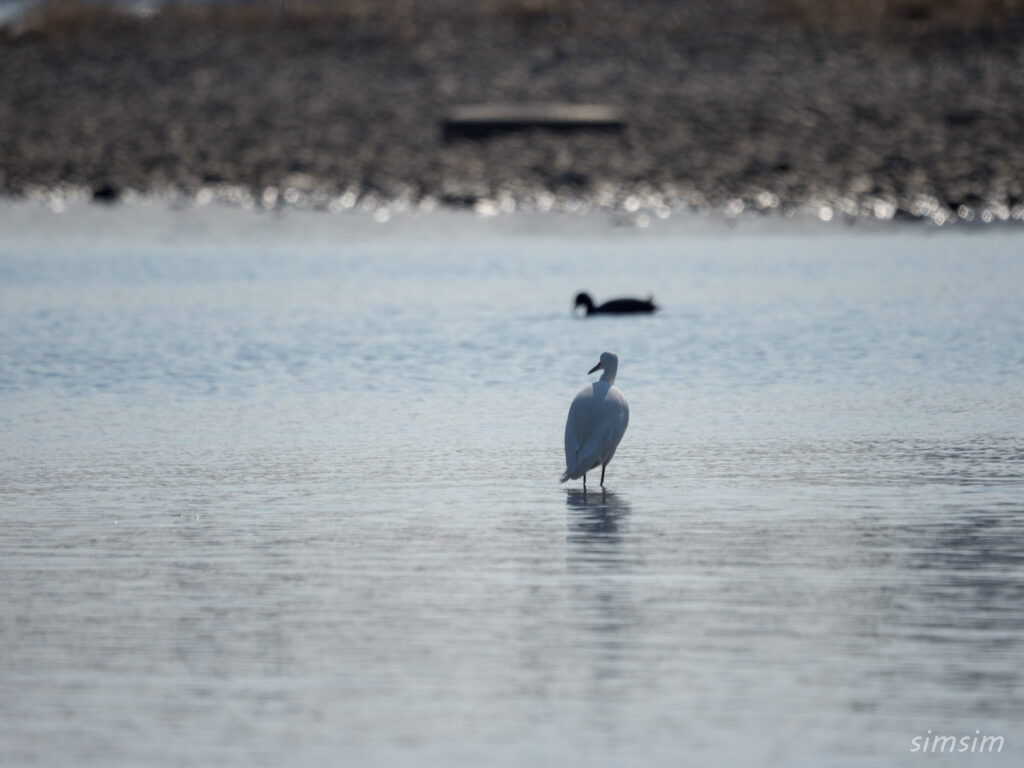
597, 367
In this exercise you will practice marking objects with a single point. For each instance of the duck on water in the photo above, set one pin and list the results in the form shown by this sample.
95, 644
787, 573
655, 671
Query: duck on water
624, 306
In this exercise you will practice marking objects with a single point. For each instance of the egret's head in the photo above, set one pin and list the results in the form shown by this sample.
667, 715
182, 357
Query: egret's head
584, 300
609, 363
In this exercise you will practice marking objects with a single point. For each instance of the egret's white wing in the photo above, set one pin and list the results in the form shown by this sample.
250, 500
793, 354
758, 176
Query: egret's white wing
597, 420
610, 426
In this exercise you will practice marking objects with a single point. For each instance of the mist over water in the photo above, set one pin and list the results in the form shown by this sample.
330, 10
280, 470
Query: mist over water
282, 489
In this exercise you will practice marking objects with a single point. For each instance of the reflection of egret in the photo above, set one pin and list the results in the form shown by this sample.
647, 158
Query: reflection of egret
593, 527
605, 504
601, 608
597, 421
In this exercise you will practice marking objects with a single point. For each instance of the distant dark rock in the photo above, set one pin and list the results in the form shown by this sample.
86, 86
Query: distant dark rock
459, 201
963, 117
105, 192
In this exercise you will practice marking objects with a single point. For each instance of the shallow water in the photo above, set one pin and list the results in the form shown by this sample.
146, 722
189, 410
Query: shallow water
282, 490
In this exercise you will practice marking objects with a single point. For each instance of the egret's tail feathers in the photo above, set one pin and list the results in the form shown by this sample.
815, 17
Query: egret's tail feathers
571, 474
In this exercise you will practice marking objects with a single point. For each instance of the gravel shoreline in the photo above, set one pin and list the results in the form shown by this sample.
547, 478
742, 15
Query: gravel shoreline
728, 109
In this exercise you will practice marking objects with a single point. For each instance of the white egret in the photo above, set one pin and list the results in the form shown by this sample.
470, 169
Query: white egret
597, 421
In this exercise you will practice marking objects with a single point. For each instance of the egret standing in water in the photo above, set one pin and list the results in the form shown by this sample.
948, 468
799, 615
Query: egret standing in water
597, 421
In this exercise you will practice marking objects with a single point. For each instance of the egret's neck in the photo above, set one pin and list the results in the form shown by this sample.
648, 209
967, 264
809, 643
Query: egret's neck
609, 374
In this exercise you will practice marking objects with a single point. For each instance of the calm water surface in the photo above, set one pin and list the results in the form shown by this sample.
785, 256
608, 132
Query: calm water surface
282, 490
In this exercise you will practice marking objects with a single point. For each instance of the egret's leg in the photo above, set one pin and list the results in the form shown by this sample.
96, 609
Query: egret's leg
584, 482
602, 474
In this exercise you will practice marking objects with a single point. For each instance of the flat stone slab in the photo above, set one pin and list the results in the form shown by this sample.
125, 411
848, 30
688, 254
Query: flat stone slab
481, 120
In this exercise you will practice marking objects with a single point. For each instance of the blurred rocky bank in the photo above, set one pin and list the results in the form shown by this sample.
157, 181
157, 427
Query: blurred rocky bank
901, 108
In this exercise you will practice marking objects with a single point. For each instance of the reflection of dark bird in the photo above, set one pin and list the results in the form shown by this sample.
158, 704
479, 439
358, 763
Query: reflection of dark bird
616, 306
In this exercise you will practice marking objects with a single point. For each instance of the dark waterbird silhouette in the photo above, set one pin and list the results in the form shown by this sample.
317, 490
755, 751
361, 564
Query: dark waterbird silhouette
616, 306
